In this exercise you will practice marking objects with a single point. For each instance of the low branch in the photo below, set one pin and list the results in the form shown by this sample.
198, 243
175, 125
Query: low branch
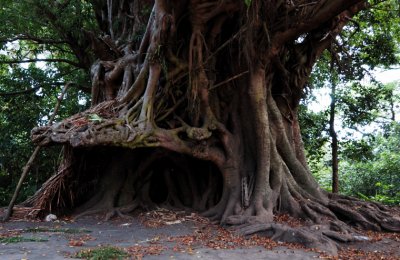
28, 37
85, 89
44, 60
31, 90
21, 92
326, 12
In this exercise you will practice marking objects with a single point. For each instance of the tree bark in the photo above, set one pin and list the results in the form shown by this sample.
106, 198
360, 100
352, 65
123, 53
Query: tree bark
334, 142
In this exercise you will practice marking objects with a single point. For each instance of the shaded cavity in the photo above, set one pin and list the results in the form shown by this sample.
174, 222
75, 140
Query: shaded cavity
153, 177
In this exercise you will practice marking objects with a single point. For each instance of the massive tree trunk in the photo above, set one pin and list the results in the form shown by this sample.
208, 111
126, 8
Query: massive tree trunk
201, 113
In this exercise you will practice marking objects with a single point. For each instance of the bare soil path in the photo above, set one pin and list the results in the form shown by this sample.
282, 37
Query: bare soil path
164, 234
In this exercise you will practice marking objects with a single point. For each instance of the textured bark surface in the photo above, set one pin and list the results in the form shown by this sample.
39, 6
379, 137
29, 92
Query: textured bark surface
201, 113
334, 142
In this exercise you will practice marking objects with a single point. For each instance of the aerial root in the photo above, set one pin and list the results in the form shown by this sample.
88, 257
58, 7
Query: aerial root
216, 212
316, 218
341, 237
322, 210
111, 211
241, 219
122, 211
250, 216
237, 220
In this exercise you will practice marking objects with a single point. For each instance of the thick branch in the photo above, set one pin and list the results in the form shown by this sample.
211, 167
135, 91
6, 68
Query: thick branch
21, 92
327, 12
43, 60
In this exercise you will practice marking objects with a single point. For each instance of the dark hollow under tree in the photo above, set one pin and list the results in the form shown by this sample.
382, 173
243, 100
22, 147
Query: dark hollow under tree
201, 113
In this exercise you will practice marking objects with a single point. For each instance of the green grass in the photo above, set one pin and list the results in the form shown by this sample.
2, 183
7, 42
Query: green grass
57, 230
102, 253
19, 239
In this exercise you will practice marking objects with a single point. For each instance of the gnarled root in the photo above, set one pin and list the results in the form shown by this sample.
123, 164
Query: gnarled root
121, 211
316, 236
338, 222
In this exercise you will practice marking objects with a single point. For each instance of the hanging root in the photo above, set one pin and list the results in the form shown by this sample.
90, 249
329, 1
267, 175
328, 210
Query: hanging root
143, 179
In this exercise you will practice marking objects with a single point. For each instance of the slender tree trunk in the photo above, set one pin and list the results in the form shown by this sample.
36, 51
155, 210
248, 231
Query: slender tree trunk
334, 141
392, 105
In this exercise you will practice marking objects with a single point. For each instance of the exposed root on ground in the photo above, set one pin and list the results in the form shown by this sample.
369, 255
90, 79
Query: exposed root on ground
121, 211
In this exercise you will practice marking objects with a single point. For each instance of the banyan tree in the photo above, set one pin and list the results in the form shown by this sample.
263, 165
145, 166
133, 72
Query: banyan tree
194, 105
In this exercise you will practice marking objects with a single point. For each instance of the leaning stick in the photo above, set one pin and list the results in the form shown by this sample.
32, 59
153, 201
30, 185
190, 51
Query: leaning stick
35, 153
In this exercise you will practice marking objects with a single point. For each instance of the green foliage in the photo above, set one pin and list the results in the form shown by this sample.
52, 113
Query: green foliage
314, 129
102, 253
21, 112
370, 161
322, 173
374, 37
32, 30
359, 150
360, 103
29, 91
247, 2
376, 179
364, 113
5, 191
368, 167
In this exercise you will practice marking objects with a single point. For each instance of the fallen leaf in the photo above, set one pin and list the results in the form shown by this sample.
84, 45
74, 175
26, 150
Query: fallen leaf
73, 242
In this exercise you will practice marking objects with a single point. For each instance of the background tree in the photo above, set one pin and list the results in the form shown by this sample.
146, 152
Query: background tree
25, 100
373, 176
36, 61
365, 117
374, 44
198, 109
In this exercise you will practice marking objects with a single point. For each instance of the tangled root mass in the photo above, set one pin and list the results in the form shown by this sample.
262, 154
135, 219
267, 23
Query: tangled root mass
201, 113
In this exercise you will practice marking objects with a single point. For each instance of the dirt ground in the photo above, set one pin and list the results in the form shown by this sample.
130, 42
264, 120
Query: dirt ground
162, 234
